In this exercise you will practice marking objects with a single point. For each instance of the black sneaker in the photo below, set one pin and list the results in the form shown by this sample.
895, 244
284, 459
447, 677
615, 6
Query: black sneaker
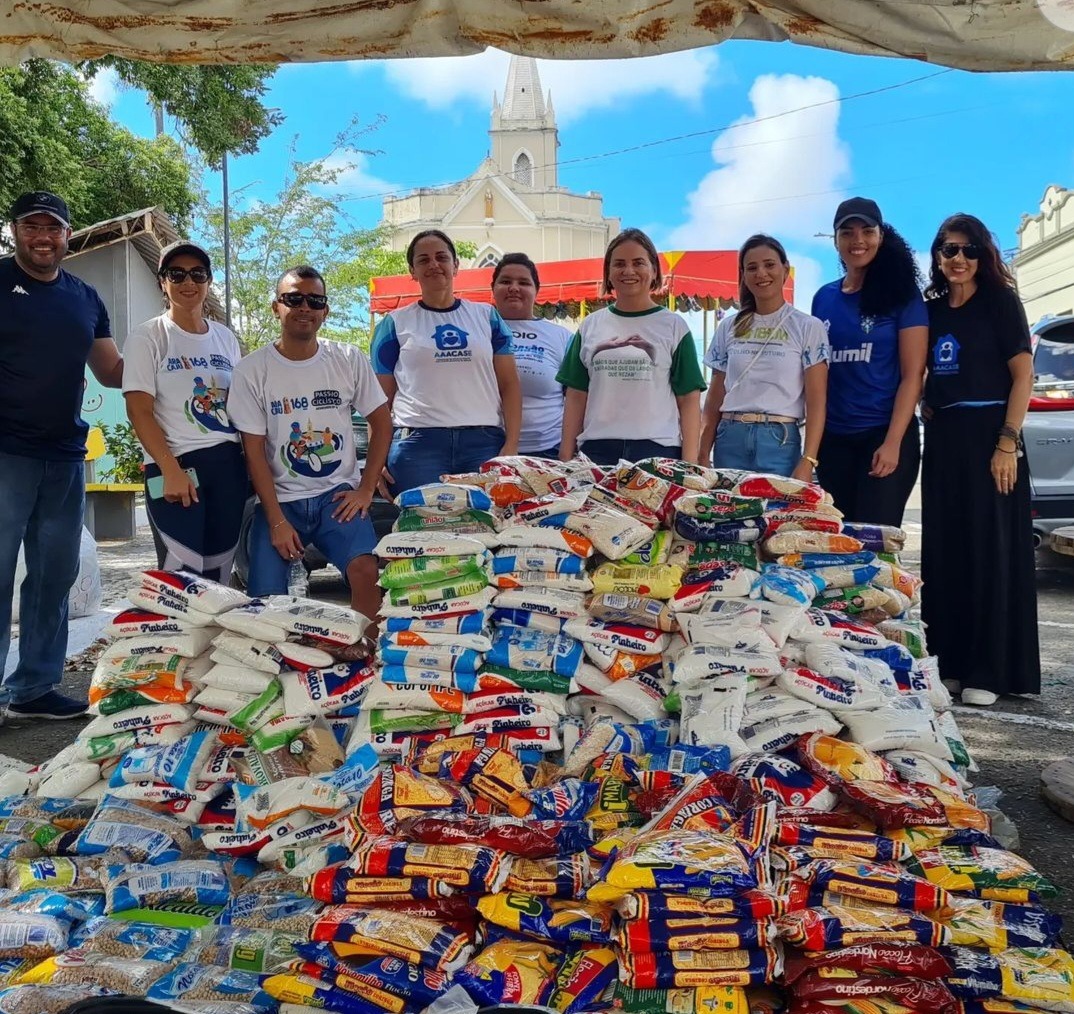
50, 705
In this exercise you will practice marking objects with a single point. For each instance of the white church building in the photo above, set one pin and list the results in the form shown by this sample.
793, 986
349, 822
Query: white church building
512, 201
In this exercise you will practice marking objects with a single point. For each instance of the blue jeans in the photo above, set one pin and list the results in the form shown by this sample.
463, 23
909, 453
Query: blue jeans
41, 505
340, 541
775, 448
611, 452
420, 456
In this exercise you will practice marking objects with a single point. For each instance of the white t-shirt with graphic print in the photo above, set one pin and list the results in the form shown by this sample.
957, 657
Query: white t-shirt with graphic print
442, 363
632, 365
303, 409
781, 346
188, 376
539, 349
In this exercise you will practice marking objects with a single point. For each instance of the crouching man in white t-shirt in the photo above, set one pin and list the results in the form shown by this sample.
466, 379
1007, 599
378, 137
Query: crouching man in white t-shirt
292, 402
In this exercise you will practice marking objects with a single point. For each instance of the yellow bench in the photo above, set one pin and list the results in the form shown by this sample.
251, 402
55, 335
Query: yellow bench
109, 505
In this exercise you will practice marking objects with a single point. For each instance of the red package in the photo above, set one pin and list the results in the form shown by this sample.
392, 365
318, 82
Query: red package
837, 761
915, 960
779, 488
531, 840
928, 997
406, 789
895, 805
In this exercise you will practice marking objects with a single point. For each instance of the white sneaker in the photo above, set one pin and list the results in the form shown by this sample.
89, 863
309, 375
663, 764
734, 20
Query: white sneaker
952, 685
982, 698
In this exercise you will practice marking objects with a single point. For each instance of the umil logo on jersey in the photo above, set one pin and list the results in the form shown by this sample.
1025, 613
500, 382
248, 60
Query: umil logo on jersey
862, 354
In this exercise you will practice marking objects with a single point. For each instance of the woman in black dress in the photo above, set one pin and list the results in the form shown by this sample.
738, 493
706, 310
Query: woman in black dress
979, 597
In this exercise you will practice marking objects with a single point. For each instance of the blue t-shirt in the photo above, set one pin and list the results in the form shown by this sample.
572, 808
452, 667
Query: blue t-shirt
46, 332
863, 371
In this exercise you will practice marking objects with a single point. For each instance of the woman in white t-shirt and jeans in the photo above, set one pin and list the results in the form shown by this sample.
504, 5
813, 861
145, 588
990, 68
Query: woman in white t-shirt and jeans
631, 371
539, 349
447, 368
176, 377
770, 369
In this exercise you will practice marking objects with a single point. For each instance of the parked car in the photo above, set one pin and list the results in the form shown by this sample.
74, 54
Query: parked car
1048, 431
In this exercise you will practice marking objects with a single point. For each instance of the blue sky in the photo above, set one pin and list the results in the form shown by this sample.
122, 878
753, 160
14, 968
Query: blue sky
781, 133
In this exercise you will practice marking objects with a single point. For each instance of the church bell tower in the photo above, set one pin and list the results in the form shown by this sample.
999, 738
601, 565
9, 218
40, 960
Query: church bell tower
523, 136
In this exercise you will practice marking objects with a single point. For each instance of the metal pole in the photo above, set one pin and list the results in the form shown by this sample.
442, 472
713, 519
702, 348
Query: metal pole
227, 244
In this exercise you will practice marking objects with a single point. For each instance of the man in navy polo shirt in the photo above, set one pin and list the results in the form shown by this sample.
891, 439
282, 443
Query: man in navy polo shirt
52, 325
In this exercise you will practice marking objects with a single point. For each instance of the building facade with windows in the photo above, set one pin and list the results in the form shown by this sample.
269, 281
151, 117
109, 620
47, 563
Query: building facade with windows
1044, 261
513, 200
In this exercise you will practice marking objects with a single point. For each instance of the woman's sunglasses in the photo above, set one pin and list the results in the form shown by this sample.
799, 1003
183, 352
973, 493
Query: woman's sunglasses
296, 299
179, 275
971, 251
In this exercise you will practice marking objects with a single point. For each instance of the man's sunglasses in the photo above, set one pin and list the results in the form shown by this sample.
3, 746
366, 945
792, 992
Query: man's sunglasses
971, 251
295, 299
179, 275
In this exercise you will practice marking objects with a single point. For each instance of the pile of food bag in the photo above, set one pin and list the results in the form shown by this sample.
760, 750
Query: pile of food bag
655, 738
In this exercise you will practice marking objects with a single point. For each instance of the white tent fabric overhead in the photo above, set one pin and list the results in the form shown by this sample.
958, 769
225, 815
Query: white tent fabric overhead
970, 34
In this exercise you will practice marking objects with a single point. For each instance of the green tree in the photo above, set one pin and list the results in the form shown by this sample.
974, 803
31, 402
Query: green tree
53, 136
305, 223
220, 108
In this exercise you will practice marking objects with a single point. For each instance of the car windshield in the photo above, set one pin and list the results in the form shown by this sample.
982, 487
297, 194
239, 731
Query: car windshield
1053, 362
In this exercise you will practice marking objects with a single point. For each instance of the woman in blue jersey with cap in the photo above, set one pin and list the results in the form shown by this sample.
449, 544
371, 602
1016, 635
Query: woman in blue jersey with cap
878, 333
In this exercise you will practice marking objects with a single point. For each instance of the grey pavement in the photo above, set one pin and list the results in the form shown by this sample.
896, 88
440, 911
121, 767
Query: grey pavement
1012, 742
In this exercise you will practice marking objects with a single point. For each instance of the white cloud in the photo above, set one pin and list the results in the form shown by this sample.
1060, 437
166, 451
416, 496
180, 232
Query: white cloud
577, 86
104, 86
355, 179
808, 277
778, 171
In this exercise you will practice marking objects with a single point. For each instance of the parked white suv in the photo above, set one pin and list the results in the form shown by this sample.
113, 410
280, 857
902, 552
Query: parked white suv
1048, 432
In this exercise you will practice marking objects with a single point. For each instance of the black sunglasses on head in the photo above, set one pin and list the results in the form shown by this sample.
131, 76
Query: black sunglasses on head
971, 251
179, 275
296, 299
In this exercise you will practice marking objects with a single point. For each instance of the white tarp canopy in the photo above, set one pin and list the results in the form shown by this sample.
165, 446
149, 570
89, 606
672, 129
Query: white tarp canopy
971, 34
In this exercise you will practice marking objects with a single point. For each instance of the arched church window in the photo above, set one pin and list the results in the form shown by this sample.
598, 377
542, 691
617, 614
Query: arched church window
489, 259
523, 169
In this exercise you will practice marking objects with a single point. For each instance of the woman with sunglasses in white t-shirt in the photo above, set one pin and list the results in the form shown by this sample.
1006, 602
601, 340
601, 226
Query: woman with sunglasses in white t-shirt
769, 371
176, 377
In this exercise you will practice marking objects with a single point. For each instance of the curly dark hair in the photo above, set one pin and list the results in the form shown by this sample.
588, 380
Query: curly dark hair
992, 273
892, 279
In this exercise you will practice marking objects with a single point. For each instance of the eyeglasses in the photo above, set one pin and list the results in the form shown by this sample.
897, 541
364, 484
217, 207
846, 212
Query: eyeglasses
179, 275
31, 229
295, 299
971, 251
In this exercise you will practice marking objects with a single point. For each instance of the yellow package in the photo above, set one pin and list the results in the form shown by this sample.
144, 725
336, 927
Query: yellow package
613, 808
1038, 976
960, 813
682, 1000
510, 971
992, 874
659, 582
833, 758
996, 925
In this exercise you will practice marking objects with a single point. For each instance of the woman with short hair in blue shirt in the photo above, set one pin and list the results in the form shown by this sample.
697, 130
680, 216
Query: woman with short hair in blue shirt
878, 333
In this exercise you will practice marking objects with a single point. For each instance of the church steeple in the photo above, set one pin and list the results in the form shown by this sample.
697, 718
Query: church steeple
523, 133
523, 99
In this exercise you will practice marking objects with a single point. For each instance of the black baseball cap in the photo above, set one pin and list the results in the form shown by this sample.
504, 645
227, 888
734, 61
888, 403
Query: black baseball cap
858, 207
41, 202
182, 246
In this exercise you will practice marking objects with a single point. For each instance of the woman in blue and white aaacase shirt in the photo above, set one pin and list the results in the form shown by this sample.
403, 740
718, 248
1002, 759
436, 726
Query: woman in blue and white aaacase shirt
448, 370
